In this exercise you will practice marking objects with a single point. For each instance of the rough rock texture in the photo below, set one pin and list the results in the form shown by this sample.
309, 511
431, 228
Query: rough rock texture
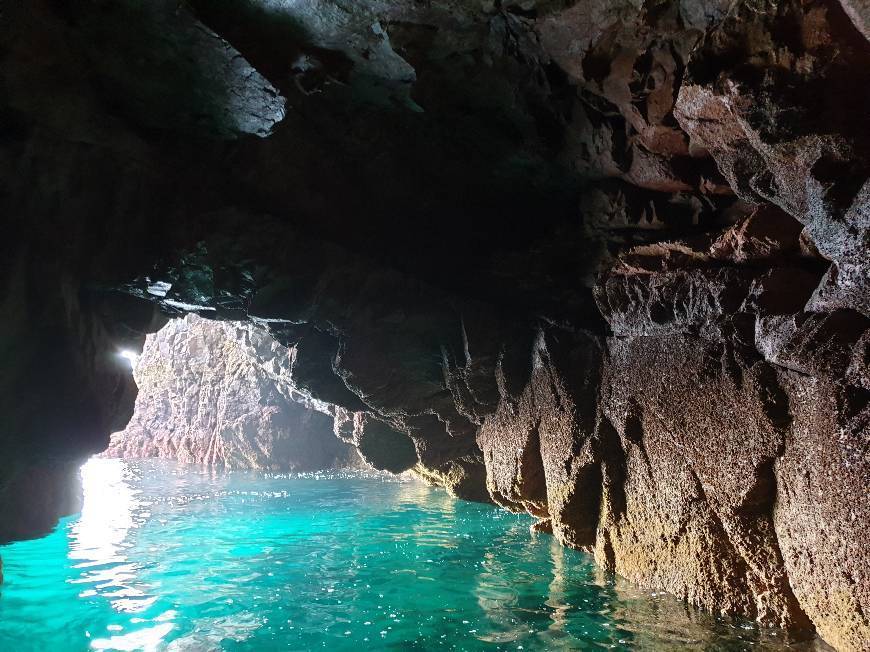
604, 262
780, 110
206, 396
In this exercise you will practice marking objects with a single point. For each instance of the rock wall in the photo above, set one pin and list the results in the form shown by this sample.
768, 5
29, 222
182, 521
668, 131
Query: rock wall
603, 262
206, 397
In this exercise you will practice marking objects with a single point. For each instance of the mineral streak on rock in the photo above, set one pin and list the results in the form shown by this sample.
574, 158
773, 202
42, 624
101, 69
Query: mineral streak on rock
602, 262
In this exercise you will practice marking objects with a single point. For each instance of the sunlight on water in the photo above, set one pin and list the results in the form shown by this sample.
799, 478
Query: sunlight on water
165, 557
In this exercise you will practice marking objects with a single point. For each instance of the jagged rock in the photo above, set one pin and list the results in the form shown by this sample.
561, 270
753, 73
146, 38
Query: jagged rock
817, 344
768, 234
859, 12
612, 271
313, 357
843, 287
140, 54
671, 302
808, 157
381, 446
696, 285
464, 477
204, 398
537, 446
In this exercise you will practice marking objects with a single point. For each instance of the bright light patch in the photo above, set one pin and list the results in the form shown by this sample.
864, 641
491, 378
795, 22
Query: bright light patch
130, 356
100, 540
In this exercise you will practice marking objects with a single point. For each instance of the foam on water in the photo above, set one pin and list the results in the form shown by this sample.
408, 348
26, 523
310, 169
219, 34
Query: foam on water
165, 557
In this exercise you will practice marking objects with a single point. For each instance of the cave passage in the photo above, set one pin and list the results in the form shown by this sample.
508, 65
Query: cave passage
229, 515
598, 268
183, 557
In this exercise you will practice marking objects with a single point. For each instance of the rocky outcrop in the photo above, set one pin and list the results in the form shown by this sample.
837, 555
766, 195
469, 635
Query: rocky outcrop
602, 262
206, 397
745, 101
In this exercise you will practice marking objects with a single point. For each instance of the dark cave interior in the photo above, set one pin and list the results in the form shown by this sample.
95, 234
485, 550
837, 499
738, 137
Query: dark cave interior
604, 262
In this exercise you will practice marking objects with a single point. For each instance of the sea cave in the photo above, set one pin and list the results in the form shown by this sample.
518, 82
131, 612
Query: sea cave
435, 324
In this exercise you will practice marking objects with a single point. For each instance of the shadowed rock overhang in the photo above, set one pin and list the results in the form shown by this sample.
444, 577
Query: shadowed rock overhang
604, 262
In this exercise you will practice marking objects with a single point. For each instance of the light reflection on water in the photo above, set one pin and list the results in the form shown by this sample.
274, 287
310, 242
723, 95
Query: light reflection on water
165, 557
98, 543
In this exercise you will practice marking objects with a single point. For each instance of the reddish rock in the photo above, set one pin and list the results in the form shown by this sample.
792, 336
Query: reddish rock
822, 510
767, 235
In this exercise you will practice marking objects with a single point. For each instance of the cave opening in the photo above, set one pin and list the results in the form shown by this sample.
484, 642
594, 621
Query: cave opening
407, 325
228, 513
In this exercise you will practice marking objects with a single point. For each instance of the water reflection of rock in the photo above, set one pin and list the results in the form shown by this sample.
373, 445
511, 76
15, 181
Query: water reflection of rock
558, 598
656, 621
584, 606
435, 526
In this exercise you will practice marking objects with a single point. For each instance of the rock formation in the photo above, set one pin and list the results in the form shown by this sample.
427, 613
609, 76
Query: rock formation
602, 262
208, 394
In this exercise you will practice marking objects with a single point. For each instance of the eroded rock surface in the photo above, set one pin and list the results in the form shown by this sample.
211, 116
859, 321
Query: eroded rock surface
206, 397
602, 262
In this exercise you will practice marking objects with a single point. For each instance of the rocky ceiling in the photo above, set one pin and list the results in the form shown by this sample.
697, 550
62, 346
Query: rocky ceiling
602, 261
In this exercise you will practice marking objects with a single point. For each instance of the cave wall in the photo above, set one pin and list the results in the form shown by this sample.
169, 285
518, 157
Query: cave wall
209, 394
603, 262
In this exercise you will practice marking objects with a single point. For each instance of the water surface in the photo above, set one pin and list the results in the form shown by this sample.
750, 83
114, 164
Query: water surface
165, 557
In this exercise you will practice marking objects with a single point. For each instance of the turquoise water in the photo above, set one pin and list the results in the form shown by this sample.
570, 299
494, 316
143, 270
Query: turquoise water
165, 557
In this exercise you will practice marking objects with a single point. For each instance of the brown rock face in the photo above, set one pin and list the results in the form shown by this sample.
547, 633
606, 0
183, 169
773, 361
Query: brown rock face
821, 509
700, 430
678, 452
206, 397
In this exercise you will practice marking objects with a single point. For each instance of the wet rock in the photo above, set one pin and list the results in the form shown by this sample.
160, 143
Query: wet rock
464, 477
712, 504
613, 273
538, 445
544, 526
34, 497
381, 446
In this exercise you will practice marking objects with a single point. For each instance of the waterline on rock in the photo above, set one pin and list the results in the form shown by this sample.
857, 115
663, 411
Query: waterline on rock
177, 558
